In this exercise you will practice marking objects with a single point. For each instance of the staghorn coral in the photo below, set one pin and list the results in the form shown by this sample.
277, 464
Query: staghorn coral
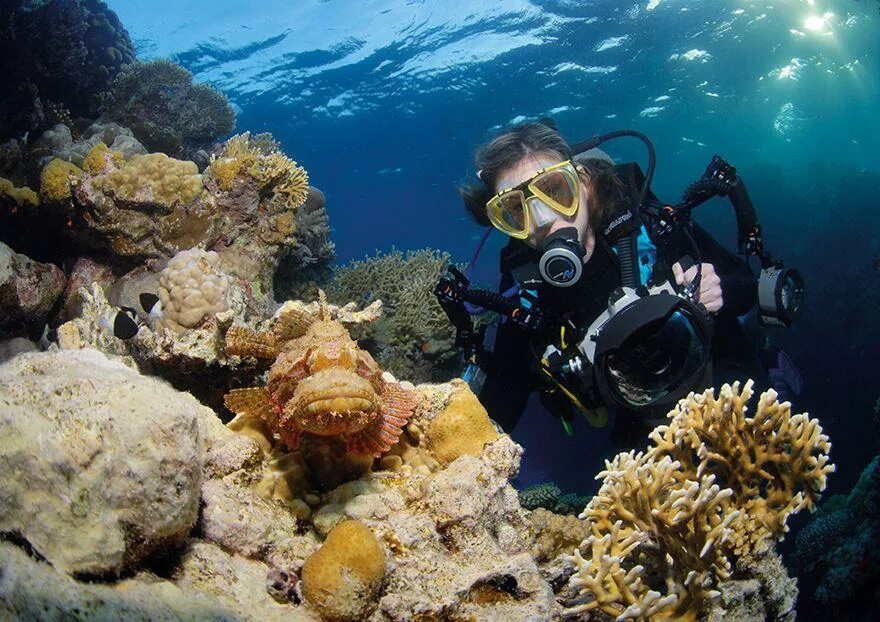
192, 288
165, 110
414, 340
320, 383
649, 514
713, 488
775, 463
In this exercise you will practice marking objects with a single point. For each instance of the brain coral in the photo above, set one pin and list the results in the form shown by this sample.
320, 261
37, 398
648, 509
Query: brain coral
342, 578
191, 288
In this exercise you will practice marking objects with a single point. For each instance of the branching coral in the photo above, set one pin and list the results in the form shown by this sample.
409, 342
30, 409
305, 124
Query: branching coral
717, 485
261, 160
414, 340
775, 463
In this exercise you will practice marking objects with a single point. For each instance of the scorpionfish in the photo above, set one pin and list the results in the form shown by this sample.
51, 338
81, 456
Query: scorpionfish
320, 383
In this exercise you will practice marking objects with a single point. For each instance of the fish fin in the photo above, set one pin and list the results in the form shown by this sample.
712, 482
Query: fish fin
249, 403
398, 405
245, 341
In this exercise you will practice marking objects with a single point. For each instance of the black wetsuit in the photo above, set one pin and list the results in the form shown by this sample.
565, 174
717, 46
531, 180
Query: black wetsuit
513, 372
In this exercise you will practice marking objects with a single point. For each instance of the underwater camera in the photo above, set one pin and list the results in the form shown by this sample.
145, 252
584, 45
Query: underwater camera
651, 346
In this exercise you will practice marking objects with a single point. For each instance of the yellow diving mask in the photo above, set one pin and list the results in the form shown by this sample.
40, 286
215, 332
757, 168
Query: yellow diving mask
553, 189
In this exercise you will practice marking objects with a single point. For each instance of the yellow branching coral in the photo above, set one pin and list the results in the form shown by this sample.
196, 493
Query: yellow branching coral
650, 513
775, 463
716, 485
263, 162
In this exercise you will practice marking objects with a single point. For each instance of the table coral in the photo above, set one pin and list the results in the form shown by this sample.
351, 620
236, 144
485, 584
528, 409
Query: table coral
716, 486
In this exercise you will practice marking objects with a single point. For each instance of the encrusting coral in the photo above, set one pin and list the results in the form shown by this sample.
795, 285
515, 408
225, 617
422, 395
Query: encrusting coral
463, 427
717, 486
321, 382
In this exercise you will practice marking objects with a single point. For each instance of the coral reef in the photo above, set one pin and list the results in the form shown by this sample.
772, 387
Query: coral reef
28, 289
717, 485
57, 58
414, 339
191, 288
303, 535
320, 383
837, 553
158, 101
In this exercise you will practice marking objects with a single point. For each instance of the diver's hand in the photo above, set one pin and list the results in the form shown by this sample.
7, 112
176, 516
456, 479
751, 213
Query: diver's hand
710, 285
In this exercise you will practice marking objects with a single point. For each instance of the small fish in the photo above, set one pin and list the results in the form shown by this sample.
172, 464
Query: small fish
123, 323
877, 262
151, 305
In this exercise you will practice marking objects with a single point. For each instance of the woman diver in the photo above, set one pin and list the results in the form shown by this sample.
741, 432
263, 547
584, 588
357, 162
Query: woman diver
571, 222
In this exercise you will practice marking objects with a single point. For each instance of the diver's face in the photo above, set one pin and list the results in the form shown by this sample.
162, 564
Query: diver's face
544, 220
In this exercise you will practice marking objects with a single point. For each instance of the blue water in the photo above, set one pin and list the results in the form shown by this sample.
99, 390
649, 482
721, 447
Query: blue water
383, 102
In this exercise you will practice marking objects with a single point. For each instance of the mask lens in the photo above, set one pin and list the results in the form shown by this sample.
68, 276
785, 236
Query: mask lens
507, 212
558, 189
656, 360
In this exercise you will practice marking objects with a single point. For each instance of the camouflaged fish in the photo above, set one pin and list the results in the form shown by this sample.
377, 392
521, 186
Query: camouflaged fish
321, 383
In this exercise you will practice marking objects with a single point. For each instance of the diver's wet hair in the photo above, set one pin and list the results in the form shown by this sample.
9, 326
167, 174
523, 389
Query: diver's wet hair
504, 152
510, 147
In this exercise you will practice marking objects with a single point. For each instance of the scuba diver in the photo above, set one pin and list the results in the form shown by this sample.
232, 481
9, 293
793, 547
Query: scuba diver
610, 299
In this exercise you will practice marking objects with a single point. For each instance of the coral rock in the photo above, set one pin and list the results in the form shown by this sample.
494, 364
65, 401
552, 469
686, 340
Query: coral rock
109, 460
28, 289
